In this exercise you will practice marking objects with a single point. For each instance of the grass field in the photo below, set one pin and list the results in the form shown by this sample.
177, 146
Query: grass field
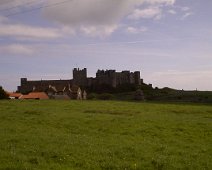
66, 135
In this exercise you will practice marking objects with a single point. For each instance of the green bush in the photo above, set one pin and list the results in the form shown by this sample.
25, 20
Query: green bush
92, 96
105, 96
3, 94
139, 95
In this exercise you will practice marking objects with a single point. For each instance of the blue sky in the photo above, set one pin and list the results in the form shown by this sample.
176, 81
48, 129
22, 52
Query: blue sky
169, 41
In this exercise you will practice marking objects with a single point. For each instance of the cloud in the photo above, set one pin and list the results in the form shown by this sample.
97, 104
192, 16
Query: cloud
24, 31
3, 19
151, 12
166, 2
171, 11
133, 30
89, 12
16, 49
5, 5
13, 3
5, 2
100, 31
91, 17
99, 17
186, 15
185, 8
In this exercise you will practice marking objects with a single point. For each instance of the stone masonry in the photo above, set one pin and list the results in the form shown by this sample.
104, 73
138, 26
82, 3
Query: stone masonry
103, 77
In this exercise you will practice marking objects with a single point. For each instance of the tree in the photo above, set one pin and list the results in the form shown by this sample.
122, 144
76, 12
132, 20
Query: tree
3, 94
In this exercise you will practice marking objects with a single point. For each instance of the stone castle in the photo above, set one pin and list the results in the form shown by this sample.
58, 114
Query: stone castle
109, 78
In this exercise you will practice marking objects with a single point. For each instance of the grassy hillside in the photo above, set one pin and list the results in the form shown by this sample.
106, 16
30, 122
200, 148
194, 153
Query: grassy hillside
66, 135
171, 95
168, 95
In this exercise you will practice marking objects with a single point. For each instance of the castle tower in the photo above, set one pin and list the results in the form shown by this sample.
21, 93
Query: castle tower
80, 77
23, 81
23, 88
137, 77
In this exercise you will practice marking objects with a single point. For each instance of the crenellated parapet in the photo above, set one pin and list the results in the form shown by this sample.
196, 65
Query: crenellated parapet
113, 78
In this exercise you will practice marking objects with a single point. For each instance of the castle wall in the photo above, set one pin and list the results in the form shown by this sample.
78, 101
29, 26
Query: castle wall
108, 77
91, 81
114, 79
124, 77
132, 78
42, 85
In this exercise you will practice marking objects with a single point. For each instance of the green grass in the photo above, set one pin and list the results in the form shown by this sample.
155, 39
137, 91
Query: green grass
66, 135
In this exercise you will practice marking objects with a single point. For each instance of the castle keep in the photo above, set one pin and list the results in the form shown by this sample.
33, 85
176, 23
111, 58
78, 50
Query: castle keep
109, 78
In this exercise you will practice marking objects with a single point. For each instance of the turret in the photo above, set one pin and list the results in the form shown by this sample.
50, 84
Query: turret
137, 77
80, 77
23, 81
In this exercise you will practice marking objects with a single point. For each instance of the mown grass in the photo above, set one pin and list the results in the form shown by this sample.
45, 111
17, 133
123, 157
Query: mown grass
66, 135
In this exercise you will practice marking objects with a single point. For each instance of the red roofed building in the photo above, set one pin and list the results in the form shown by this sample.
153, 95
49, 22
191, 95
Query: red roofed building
35, 95
14, 95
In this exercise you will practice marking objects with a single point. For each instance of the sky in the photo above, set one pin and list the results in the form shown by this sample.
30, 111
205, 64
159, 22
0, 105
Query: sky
168, 41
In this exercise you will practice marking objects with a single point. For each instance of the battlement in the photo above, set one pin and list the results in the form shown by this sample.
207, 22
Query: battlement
113, 78
105, 72
80, 70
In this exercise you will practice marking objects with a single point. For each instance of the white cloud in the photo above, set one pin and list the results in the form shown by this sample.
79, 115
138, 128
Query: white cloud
67, 31
171, 11
16, 49
93, 16
100, 31
89, 12
151, 12
185, 8
186, 15
24, 31
13, 3
166, 2
133, 30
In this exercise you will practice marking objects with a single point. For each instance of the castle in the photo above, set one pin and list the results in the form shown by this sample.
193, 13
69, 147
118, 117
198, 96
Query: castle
110, 78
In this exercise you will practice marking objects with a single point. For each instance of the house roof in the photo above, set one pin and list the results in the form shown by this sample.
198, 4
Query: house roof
35, 95
17, 95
